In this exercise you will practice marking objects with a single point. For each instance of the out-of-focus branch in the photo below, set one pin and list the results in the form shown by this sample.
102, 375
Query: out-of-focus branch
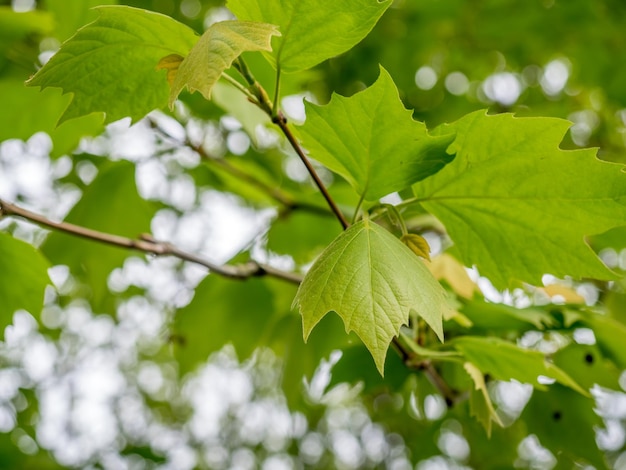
289, 204
412, 360
147, 244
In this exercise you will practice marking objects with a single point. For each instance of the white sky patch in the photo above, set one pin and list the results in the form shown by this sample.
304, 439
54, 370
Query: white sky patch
503, 88
457, 83
555, 76
426, 77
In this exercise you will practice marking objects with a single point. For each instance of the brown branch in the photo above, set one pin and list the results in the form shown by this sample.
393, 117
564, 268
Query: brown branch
147, 244
274, 192
449, 395
263, 102
281, 122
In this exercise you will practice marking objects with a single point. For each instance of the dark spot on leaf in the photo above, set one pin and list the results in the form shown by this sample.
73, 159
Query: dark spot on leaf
177, 339
556, 416
589, 358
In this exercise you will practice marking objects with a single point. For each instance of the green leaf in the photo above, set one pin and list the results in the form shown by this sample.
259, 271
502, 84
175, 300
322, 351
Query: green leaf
300, 359
565, 423
372, 141
505, 361
481, 406
614, 238
587, 366
235, 103
517, 206
609, 333
23, 278
110, 65
216, 50
110, 204
312, 30
499, 317
18, 25
17, 124
372, 281
72, 15
223, 311
355, 366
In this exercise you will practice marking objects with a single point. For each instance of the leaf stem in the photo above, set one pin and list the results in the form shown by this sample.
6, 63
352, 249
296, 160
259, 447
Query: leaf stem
281, 122
240, 87
398, 218
449, 394
276, 89
145, 243
358, 208
414, 356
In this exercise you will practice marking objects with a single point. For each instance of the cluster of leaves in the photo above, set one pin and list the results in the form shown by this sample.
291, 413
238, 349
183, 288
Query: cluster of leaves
497, 192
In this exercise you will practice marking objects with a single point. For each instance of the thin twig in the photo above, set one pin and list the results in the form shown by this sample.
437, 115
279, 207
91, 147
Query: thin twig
147, 244
413, 361
449, 395
273, 192
279, 119
281, 122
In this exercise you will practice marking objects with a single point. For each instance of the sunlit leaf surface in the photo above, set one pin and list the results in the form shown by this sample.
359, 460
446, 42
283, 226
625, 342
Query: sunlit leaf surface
372, 281
517, 206
372, 141
23, 278
110, 65
216, 50
312, 30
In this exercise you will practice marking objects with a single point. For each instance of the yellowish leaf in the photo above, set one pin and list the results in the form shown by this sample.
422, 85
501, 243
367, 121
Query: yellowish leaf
446, 267
417, 244
215, 52
568, 294
171, 64
480, 402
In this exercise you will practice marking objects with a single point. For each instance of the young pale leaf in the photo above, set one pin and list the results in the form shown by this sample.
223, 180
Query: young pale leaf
505, 361
312, 30
445, 267
372, 281
481, 406
110, 65
372, 141
417, 244
23, 278
517, 206
216, 50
